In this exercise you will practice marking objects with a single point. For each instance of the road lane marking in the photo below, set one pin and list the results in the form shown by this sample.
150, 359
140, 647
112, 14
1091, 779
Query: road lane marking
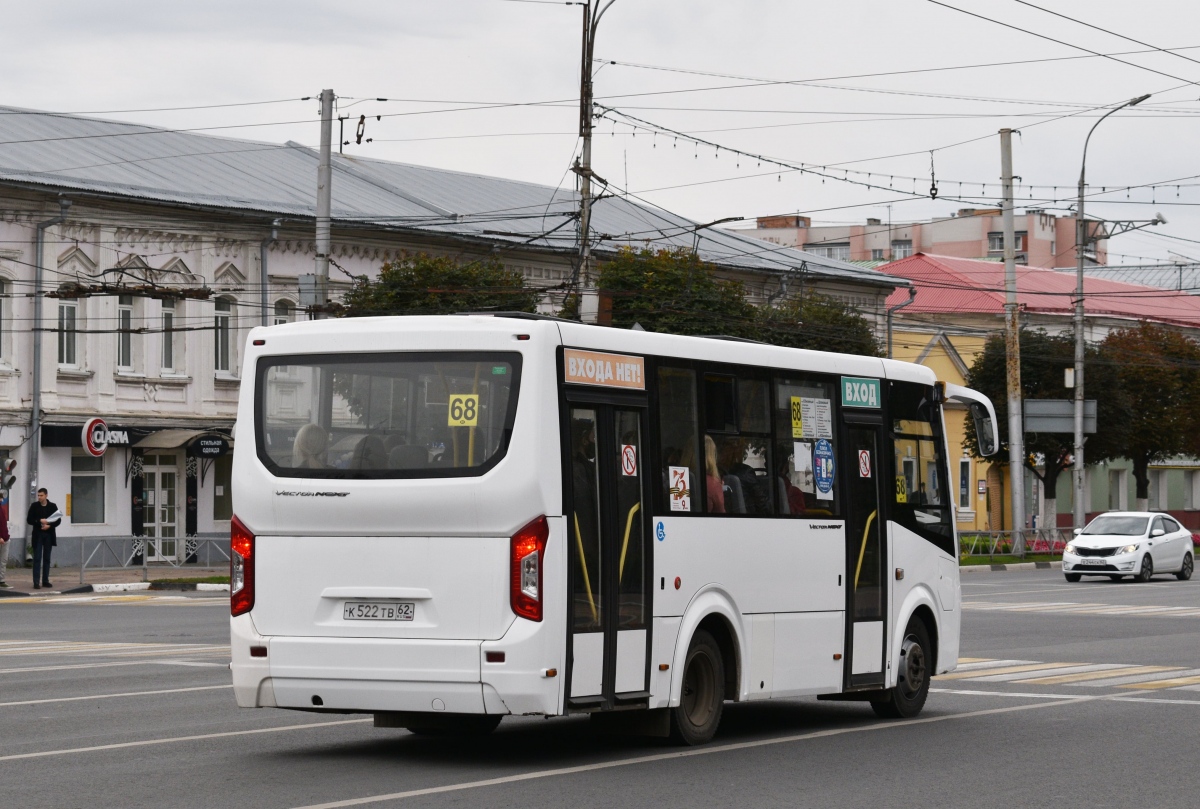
1003, 670
695, 751
114, 696
1112, 671
1170, 682
1104, 698
1038, 673
989, 664
199, 737
72, 666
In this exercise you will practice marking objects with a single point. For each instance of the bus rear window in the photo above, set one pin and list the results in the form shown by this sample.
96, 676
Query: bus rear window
385, 415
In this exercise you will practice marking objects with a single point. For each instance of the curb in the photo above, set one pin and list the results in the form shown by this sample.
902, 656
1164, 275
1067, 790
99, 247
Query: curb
1005, 568
126, 587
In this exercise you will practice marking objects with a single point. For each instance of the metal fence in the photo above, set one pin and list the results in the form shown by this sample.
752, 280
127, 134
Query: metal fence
1000, 543
117, 552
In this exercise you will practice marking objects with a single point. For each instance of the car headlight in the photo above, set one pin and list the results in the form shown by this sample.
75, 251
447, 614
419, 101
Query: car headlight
1070, 548
1128, 549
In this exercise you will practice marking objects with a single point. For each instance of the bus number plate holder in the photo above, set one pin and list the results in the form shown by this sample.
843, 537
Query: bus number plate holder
378, 611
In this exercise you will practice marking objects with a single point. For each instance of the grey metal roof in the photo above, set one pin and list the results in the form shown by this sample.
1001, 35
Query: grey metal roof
74, 153
1180, 276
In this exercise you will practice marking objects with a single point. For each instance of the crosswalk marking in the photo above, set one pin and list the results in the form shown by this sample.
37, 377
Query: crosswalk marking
1139, 678
1080, 608
1002, 670
1168, 683
987, 664
1107, 673
122, 650
1024, 677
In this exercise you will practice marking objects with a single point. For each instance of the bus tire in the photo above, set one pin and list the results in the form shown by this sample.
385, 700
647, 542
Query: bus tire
463, 725
702, 694
912, 687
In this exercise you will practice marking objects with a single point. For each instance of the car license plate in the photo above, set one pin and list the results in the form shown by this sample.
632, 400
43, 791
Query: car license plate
1099, 562
378, 611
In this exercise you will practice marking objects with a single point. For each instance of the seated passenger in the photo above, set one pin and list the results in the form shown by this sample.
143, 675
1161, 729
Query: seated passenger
406, 456
308, 450
369, 454
713, 487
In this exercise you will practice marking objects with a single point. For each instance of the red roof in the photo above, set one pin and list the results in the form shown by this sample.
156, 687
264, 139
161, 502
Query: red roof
946, 284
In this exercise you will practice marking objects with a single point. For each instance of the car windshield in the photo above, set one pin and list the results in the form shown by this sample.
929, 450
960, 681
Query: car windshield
1119, 526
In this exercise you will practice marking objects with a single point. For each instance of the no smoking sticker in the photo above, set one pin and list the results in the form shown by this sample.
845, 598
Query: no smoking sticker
628, 460
864, 463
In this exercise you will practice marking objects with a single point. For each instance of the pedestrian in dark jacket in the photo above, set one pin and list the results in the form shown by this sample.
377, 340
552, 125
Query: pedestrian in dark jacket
43, 536
4, 538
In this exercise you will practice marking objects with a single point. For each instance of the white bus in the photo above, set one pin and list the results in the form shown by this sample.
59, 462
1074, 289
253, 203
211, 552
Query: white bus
443, 521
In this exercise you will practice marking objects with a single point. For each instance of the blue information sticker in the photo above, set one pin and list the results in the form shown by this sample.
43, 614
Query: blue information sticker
823, 466
660, 531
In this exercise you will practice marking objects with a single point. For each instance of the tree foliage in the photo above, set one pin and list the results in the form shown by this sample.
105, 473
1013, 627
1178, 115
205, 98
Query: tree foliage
674, 291
1043, 360
438, 285
1157, 372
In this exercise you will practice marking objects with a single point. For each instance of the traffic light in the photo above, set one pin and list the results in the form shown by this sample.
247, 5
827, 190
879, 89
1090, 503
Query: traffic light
7, 478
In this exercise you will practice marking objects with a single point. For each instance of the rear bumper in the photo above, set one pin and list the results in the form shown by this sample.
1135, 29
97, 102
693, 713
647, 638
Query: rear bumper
371, 674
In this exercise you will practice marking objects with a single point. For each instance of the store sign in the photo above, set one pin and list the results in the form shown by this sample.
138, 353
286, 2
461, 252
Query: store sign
96, 437
210, 446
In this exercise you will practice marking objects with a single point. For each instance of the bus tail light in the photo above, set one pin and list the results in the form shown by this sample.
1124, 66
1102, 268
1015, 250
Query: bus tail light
241, 568
528, 548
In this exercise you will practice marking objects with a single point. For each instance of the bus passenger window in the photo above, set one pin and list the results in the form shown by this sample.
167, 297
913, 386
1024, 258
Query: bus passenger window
678, 428
738, 432
804, 476
921, 494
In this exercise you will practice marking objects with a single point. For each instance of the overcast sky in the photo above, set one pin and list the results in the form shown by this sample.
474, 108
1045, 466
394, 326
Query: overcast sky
432, 58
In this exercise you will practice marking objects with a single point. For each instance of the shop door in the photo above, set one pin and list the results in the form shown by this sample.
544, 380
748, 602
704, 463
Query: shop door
609, 609
160, 507
866, 552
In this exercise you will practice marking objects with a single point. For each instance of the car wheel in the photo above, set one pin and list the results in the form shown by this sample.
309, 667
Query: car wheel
695, 719
1146, 571
916, 667
1185, 572
1072, 577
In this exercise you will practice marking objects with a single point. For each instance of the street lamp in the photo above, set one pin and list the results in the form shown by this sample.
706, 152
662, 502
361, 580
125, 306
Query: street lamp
1081, 240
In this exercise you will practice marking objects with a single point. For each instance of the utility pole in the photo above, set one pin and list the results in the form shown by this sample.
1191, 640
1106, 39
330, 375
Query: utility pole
324, 202
589, 296
1081, 241
1012, 352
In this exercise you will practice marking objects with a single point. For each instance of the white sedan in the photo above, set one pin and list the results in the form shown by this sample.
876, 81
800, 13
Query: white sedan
1129, 543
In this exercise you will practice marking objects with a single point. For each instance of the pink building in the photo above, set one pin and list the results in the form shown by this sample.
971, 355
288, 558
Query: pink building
1043, 239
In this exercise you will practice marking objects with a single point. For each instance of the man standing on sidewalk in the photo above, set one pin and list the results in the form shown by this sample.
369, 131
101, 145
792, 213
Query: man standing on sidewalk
4, 585
43, 516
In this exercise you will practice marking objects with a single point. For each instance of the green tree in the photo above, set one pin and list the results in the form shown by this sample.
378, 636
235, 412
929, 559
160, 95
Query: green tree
1043, 359
818, 322
673, 291
437, 285
1157, 371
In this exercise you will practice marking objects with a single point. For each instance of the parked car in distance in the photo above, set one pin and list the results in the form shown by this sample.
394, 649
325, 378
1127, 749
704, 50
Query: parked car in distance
1130, 543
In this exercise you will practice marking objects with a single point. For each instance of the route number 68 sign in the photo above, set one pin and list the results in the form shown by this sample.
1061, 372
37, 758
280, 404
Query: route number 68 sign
463, 410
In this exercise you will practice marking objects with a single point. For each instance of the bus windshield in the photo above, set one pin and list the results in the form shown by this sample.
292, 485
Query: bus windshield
385, 415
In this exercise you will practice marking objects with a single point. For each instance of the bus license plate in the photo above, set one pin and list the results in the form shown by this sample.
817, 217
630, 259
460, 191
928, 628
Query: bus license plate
378, 611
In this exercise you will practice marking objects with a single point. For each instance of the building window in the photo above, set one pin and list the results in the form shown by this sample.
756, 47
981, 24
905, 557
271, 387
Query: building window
67, 336
1158, 490
838, 251
996, 242
222, 496
876, 254
964, 484
168, 335
901, 248
125, 332
222, 336
87, 488
283, 312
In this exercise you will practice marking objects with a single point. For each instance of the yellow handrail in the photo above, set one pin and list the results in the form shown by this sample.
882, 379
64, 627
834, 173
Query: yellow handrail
863, 550
625, 544
587, 582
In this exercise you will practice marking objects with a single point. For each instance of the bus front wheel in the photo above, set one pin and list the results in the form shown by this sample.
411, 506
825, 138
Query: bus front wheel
702, 697
916, 667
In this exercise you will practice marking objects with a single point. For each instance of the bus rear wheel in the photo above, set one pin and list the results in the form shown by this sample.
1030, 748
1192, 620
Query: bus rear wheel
702, 698
916, 667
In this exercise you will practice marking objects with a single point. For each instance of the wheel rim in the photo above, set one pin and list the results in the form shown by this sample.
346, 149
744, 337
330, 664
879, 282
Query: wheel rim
699, 685
1147, 567
1187, 566
914, 667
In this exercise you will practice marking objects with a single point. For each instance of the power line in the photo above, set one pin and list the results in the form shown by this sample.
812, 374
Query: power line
1110, 33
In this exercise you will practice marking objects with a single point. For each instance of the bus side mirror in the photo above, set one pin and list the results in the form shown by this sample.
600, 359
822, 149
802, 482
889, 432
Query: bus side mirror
983, 414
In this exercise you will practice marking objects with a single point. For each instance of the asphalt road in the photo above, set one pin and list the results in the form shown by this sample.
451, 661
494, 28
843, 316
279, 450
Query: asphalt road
1081, 695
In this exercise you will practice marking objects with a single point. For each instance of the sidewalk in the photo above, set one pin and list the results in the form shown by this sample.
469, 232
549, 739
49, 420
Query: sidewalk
67, 578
